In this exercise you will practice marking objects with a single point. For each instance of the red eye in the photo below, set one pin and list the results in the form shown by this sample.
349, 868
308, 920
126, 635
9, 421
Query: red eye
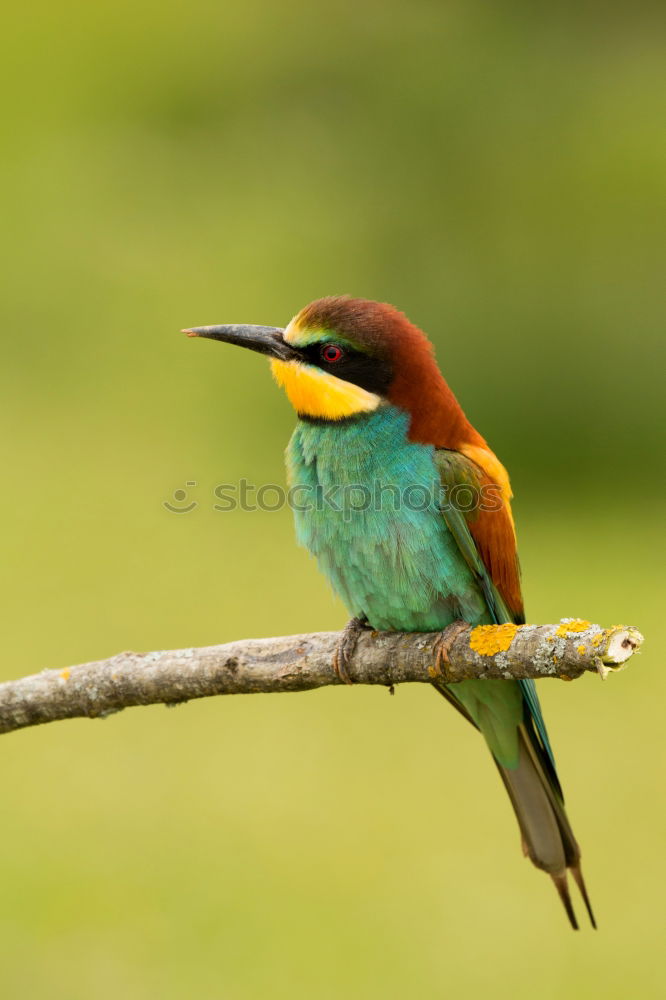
331, 353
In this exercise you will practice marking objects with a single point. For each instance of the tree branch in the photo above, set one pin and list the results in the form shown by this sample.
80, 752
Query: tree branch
303, 662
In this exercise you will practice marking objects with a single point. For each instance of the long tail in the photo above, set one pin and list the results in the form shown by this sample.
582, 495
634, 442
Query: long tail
547, 836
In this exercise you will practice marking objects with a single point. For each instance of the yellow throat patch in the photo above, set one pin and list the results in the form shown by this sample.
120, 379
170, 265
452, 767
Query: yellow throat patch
315, 393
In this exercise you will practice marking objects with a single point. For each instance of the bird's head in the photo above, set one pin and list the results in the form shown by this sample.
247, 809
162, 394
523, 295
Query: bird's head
340, 357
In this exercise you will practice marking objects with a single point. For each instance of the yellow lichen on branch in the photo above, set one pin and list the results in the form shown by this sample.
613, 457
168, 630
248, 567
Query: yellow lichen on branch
575, 625
487, 640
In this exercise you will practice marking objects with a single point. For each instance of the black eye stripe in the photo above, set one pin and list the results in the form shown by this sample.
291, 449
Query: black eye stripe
371, 373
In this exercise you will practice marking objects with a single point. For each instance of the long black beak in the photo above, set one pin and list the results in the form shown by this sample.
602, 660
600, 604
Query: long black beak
263, 339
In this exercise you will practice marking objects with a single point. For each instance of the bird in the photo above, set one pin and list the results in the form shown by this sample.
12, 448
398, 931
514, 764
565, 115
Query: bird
380, 432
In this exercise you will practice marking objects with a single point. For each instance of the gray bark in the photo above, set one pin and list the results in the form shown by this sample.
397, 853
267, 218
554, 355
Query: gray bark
303, 662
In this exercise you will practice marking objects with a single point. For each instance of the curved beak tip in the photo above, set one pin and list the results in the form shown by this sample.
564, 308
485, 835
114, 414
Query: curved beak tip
190, 333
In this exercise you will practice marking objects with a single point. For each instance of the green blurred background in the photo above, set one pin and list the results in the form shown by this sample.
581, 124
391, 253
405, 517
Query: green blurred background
497, 171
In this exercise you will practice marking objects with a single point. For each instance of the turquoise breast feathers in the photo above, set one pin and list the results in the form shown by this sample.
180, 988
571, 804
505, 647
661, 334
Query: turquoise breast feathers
366, 505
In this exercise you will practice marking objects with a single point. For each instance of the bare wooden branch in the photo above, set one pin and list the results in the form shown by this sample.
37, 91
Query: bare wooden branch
303, 662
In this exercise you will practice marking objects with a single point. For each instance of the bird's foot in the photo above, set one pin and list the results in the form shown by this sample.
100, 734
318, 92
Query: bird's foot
443, 643
346, 647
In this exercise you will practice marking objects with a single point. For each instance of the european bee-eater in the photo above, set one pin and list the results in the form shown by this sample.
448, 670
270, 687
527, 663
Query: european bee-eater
378, 423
